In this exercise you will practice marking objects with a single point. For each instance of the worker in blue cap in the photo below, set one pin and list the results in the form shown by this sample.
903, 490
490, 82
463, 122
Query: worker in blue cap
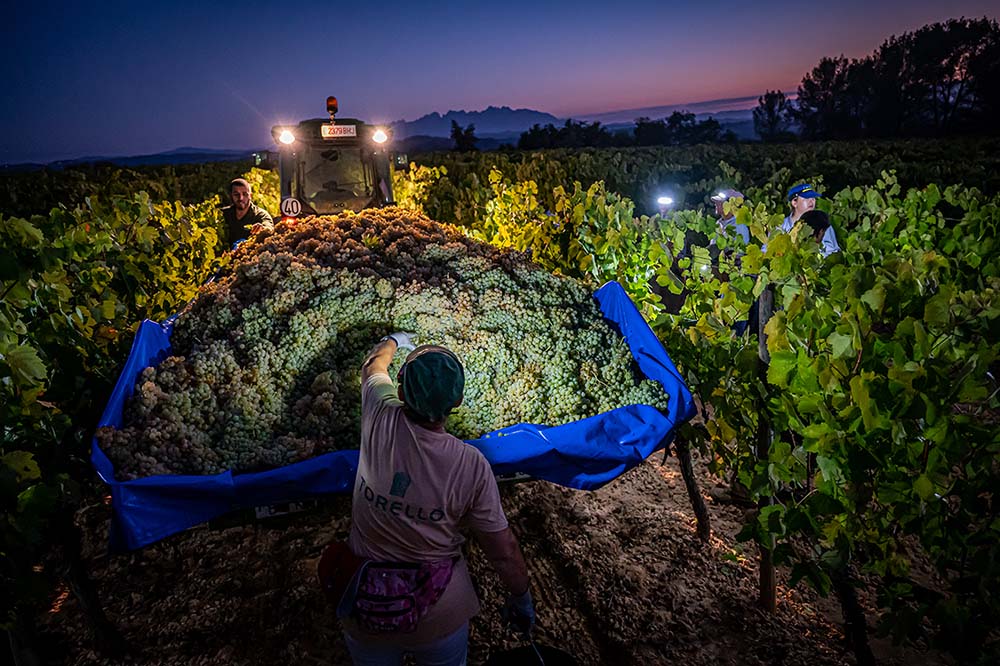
416, 487
802, 199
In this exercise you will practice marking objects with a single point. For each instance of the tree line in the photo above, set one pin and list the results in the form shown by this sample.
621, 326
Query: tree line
939, 80
679, 129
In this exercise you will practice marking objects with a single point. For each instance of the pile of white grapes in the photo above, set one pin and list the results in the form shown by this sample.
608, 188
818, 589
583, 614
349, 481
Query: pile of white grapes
266, 364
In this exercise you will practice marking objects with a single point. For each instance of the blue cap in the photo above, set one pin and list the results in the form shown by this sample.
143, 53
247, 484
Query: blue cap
804, 190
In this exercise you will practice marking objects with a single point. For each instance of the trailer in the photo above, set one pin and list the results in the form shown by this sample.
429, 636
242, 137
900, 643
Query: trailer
585, 454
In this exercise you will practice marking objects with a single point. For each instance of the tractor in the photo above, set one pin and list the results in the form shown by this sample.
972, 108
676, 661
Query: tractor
331, 165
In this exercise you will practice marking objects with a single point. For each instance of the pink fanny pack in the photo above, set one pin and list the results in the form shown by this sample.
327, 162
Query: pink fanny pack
393, 596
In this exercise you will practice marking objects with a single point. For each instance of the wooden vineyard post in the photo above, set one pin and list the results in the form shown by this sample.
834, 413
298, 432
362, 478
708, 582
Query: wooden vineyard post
765, 306
683, 451
108, 640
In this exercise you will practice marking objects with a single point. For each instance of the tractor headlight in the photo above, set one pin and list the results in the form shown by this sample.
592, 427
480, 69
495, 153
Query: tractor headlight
380, 136
286, 137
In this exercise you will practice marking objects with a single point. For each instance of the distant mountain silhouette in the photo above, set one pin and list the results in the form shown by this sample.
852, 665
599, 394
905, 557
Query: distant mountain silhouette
495, 126
492, 120
185, 155
732, 109
188, 150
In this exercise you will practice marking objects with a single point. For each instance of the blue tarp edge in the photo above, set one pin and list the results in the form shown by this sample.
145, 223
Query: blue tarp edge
584, 454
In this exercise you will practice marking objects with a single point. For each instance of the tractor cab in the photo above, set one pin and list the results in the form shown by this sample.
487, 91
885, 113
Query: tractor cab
327, 166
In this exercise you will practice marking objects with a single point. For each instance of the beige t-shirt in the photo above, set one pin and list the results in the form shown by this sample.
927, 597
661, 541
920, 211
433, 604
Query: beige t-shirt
414, 490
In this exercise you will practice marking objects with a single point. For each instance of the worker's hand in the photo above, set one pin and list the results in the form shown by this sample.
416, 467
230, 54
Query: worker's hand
404, 340
255, 229
519, 611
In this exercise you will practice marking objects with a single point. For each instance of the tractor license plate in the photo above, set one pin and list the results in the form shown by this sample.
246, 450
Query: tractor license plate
336, 131
273, 510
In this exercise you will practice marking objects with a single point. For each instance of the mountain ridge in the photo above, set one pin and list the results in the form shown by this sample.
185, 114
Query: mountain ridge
491, 120
495, 126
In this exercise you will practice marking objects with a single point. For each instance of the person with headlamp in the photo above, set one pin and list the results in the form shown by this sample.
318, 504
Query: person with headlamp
728, 220
417, 486
802, 199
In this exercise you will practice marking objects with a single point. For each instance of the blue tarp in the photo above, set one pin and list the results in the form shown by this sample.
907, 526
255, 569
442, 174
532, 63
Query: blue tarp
585, 454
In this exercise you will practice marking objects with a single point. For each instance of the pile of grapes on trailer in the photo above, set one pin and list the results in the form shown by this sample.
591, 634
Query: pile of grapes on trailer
266, 361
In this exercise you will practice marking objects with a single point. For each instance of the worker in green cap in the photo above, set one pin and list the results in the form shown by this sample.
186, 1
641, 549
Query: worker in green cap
417, 486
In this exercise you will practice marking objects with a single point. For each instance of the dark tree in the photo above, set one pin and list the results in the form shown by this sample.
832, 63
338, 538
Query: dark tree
537, 137
825, 108
573, 134
679, 124
465, 139
940, 79
651, 132
984, 76
892, 89
772, 117
684, 130
943, 53
706, 131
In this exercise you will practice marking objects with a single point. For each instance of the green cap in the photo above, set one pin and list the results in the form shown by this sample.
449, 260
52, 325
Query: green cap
433, 381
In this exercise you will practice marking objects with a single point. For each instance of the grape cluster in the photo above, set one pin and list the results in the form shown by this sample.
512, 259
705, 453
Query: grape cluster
266, 365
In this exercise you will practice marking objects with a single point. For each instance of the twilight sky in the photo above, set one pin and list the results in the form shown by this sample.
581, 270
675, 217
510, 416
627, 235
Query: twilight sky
123, 78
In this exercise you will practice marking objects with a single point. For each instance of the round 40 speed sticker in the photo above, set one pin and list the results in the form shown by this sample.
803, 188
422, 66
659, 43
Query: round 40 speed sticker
291, 207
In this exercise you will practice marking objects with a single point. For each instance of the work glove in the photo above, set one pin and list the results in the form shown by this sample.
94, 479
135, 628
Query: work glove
519, 611
403, 340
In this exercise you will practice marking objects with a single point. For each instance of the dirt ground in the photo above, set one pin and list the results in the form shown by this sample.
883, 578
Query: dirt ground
618, 577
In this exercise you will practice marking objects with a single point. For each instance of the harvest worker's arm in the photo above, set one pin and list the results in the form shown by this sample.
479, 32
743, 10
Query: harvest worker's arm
263, 221
378, 359
504, 553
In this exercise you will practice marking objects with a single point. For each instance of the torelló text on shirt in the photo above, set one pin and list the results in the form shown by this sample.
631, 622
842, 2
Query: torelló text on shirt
397, 508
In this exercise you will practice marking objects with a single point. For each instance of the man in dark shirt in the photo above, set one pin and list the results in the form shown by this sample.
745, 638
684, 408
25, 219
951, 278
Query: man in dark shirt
243, 218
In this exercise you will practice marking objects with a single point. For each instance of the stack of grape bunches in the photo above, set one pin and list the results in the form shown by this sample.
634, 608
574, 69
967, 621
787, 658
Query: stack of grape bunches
266, 360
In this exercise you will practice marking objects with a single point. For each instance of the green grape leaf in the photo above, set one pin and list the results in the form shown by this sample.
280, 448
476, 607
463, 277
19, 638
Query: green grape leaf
932, 194
830, 469
777, 333
781, 367
862, 398
937, 310
812, 573
752, 260
817, 430
770, 518
874, 199
875, 298
23, 231
972, 391
841, 346
108, 308
779, 246
23, 464
923, 487
26, 366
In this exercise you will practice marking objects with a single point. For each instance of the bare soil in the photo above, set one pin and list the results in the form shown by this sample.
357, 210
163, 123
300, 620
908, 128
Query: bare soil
618, 576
